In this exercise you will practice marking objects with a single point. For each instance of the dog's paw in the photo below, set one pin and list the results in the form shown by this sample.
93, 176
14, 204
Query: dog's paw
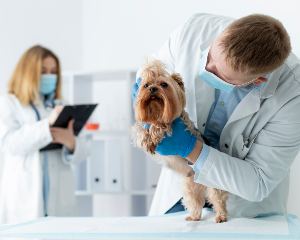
220, 219
189, 218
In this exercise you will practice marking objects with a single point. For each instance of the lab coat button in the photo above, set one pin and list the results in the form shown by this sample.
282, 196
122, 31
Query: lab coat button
222, 103
226, 145
213, 124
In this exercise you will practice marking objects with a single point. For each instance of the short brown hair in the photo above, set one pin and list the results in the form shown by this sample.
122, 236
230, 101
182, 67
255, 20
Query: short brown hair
256, 44
25, 80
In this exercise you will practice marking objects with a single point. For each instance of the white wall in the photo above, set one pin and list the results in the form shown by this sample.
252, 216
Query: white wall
54, 24
117, 34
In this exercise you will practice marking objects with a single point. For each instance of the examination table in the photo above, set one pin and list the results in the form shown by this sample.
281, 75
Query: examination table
165, 227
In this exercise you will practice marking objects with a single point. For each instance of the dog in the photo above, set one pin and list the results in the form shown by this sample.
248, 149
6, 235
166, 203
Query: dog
160, 100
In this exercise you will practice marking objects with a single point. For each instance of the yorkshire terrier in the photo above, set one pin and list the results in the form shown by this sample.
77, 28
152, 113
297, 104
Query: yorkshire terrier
160, 100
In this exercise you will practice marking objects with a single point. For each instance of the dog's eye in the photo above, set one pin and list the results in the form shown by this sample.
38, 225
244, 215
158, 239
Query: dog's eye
164, 85
146, 85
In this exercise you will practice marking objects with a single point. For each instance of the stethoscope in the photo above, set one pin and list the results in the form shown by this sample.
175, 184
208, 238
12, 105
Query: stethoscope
36, 111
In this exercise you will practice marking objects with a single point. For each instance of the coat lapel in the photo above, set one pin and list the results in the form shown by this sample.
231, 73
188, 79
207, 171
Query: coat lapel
251, 103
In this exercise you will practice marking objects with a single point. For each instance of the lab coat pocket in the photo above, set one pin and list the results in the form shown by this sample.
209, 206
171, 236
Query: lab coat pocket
241, 147
67, 196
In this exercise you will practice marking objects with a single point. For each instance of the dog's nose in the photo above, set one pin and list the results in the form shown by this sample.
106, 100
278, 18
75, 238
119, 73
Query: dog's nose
152, 89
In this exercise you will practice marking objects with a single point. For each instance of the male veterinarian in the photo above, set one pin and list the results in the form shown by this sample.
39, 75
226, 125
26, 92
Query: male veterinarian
243, 92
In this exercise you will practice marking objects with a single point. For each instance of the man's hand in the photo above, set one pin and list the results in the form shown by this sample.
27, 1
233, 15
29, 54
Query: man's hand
64, 136
135, 89
181, 142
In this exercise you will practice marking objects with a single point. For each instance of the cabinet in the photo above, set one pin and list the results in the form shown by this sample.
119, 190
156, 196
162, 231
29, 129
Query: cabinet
115, 172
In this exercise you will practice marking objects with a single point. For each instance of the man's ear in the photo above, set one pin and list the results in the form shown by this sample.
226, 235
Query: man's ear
178, 79
260, 80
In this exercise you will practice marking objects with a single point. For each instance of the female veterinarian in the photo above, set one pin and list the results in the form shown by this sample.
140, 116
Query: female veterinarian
243, 92
36, 183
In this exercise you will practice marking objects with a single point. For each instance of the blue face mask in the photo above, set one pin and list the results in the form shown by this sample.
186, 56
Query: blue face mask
48, 83
214, 81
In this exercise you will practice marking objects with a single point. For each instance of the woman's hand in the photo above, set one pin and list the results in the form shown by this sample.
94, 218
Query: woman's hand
54, 114
64, 136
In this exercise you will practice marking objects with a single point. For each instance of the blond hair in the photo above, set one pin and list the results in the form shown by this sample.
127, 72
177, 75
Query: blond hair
256, 44
25, 80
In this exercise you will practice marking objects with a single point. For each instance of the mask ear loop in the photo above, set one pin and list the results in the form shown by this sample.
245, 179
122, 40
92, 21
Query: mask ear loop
245, 83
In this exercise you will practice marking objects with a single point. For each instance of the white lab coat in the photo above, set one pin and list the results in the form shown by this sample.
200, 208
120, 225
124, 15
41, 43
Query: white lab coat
255, 175
21, 191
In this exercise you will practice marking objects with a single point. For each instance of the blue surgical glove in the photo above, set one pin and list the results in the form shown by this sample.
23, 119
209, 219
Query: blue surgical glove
146, 125
181, 142
135, 89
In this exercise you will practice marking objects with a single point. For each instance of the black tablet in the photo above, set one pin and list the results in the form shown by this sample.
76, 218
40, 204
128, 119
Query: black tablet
80, 113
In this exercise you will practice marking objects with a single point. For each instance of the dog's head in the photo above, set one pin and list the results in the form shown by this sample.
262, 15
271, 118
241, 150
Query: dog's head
161, 96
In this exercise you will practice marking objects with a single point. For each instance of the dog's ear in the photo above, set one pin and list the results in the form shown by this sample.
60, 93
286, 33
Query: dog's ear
178, 79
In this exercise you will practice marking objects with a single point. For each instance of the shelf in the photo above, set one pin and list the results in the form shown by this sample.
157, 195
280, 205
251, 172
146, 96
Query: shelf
116, 118
137, 192
103, 75
143, 192
109, 133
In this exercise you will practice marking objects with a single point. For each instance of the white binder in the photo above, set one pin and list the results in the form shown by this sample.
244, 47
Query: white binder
113, 181
80, 175
96, 166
